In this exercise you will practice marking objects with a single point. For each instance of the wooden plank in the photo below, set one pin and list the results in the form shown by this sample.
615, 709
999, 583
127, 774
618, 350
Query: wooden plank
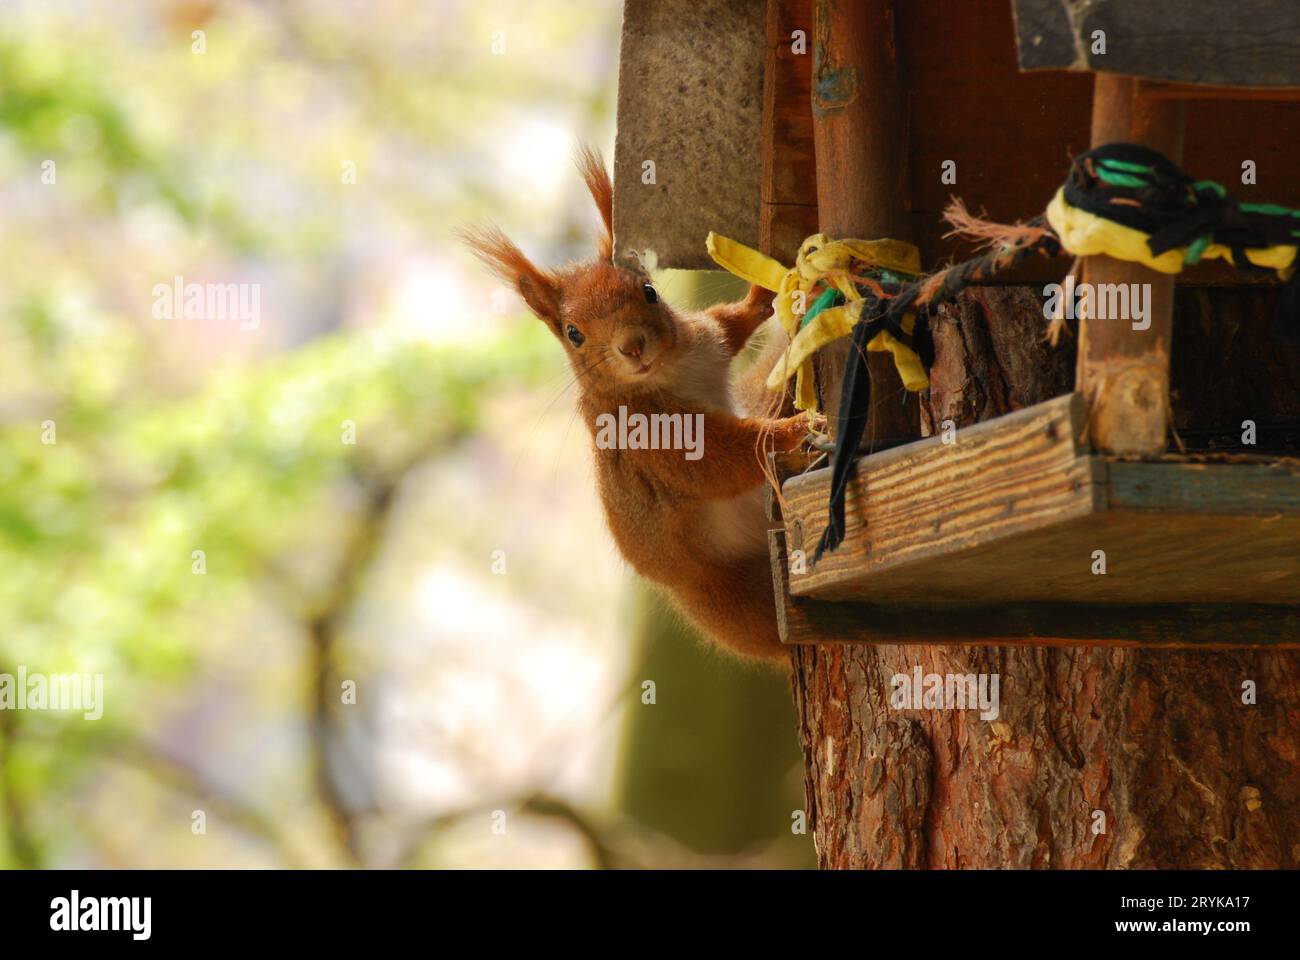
781, 466
1249, 487
788, 208
1151, 556
805, 620
932, 499
1160, 90
690, 98
1167, 556
1016, 510
862, 176
1254, 43
1123, 367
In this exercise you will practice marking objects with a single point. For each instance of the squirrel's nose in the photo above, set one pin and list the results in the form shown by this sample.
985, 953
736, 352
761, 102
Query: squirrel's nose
632, 346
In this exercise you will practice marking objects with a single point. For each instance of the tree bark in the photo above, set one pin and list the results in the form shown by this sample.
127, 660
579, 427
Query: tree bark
1100, 757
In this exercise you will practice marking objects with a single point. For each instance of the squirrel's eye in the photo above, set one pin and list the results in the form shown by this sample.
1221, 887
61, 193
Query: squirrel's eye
575, 336
650, 295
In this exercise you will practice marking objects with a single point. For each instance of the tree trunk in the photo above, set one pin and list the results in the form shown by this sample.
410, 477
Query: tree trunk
1100, 757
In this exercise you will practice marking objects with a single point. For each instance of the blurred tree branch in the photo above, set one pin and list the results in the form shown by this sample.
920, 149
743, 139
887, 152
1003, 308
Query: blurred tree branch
152, 759
536, 804
324, 625
323, 628
148, 757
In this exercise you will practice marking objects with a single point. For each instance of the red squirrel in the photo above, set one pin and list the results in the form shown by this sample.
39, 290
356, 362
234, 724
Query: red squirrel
692, 521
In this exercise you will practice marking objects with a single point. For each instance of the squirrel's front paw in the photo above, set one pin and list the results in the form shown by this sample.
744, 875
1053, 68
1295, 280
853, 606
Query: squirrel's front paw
798, 430
759, 297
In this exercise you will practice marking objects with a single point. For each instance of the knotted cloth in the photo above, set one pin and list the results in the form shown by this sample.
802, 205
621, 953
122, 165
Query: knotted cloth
1120, 200
820, 299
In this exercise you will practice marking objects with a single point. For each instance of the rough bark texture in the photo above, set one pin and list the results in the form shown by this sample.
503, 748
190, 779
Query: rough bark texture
1160, 743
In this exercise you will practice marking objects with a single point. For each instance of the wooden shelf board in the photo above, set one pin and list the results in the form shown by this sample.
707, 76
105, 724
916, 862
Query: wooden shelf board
804, 620
1013, 510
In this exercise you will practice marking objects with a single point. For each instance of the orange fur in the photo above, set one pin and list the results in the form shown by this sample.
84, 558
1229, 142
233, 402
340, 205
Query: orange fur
592, 168
696, 527
539, 288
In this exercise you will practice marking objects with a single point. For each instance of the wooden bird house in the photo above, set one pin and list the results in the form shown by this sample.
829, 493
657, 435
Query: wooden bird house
1134, 484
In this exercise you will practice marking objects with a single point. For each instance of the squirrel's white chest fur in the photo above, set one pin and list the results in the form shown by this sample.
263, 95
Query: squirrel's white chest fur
702, 378
736, 526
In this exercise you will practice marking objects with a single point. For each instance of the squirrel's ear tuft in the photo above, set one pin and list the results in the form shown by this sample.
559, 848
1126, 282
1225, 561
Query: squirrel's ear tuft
539, 288
592, 168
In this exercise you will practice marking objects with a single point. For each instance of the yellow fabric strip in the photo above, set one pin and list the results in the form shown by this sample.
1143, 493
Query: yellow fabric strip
829, 261
838, 322
822, 259
908, 364
746, 263
1085, 234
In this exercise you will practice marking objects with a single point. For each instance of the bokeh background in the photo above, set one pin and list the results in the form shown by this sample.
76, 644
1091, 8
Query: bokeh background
450, 565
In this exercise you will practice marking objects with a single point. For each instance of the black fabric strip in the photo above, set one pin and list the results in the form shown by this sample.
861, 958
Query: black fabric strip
1175, 213
1170, 208
855, 409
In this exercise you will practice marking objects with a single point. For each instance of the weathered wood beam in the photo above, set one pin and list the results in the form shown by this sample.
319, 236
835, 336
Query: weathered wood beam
687, 156
788, 207
1018, 510
804, 620
1123, 367
1245, 43
859, 131
929, 499
1162, 90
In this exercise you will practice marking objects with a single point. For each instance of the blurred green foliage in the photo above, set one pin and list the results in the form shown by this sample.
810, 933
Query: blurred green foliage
98, 529
228, 164
116, 466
